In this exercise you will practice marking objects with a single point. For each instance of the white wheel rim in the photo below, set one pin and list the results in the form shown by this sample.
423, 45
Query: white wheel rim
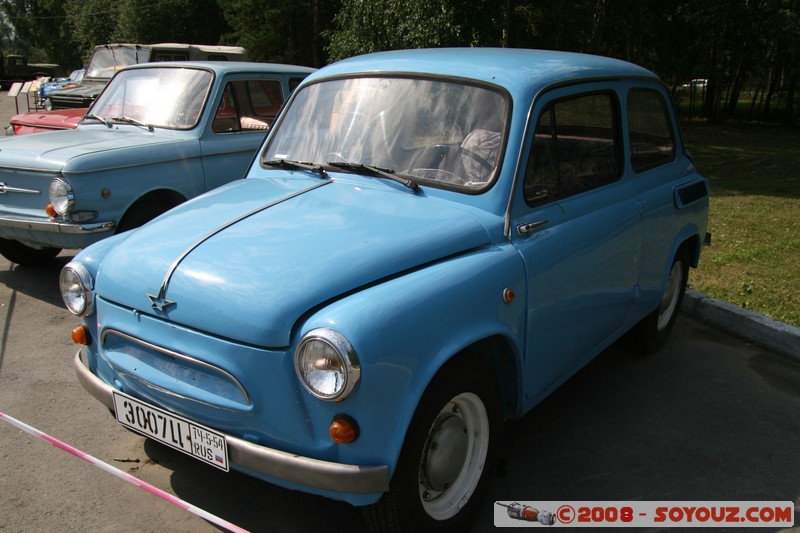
671, 295
447, 503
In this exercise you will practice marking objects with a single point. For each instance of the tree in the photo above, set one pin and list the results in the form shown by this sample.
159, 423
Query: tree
92, 22
183, 21
285, 31
37, 30
363, 26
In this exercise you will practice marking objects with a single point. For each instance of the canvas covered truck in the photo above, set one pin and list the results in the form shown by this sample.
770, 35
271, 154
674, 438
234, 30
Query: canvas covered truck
107, 59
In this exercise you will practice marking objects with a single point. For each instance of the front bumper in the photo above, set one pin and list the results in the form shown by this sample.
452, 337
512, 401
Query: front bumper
54, 226
323, 475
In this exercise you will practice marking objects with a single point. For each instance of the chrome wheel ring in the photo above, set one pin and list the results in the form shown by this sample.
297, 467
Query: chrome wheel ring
669, 302
454, 456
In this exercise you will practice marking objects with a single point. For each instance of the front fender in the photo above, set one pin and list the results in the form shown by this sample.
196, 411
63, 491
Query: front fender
405, 328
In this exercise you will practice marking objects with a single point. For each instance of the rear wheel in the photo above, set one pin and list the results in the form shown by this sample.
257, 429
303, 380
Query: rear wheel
652, 332
448, 456
24, 255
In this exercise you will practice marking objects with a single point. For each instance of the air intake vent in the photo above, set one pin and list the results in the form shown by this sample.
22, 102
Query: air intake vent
690, 193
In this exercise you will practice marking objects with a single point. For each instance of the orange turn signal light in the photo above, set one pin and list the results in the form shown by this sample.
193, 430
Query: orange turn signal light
50, 210
508, 296
343, 430
80, 336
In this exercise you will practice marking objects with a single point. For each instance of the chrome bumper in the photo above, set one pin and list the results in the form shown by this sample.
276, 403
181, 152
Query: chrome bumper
323, 475
54, 226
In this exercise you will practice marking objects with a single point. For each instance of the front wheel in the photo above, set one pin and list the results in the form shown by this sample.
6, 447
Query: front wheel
24, 255
448, 456
652, 332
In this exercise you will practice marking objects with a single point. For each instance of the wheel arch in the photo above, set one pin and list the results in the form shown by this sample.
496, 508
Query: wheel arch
163, 197
498, 354
688, 238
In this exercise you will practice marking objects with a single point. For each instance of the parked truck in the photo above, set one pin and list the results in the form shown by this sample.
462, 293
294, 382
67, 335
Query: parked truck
14, 68
107, 59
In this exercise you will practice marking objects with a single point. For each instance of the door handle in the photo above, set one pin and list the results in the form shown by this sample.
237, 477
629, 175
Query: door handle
529, 227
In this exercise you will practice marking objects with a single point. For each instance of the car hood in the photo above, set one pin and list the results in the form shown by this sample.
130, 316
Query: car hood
59, 119
87, 148
246, 261
87, 88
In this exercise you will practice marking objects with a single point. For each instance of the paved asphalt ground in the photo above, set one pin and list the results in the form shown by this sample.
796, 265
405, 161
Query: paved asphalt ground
710, 417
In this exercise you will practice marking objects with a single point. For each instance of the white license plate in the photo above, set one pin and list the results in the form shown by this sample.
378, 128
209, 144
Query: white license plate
183, 435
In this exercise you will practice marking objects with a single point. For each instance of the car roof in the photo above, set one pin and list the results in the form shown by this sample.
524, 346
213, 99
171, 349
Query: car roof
502, 66
224, 67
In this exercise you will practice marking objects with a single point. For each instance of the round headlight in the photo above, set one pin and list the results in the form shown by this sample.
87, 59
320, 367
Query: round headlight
327, 365
76, 289
48, 105
61, 196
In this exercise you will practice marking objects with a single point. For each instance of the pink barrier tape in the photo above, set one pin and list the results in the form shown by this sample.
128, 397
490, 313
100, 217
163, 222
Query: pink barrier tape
205, 515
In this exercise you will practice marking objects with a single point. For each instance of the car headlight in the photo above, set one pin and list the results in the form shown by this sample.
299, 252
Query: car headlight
77, 288
48, 105
327, 365
61, 196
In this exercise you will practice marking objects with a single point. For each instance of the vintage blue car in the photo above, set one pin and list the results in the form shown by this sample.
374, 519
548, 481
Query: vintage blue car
429, 242
159, 134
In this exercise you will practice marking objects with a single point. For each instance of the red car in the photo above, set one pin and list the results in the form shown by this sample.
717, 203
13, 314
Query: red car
40, 121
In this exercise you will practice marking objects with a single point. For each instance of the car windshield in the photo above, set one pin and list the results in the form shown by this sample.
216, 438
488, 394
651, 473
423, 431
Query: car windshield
106, 62
433, 131
161, 97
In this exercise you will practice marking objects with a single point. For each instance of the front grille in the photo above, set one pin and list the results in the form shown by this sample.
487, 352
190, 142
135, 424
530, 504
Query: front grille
169, 372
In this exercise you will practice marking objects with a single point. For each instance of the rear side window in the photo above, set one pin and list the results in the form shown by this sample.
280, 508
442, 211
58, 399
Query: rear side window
248, 105
651, 136
575, 148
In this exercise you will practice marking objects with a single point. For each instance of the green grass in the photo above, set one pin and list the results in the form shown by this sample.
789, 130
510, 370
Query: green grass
754, 261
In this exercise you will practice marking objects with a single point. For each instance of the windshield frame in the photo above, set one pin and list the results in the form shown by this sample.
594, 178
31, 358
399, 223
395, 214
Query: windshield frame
118, 54
112, 87
412, 76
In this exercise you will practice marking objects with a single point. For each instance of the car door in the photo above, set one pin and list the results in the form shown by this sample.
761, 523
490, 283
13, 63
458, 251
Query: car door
577, 227
656, 169
241, 119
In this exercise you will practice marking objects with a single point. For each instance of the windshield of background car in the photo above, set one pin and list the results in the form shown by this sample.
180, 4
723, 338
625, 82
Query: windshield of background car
441, 132
106, 62
169, 98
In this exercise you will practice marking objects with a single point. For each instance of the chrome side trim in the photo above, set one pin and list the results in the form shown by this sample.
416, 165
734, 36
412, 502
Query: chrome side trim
307, 471
179, 356
6, 189
54, 226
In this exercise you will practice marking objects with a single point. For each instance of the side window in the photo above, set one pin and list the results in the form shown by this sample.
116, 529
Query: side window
248, 105
575, 148
651, 137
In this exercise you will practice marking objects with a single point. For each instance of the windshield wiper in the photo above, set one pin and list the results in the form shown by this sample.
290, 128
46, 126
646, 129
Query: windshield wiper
129, 120
376, 171
302, 165
101, 119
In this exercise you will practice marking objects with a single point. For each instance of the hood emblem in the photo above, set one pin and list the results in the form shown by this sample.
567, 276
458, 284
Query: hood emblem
160, 304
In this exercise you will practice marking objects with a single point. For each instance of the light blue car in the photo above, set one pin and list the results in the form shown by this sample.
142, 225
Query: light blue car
159, 134
428, 243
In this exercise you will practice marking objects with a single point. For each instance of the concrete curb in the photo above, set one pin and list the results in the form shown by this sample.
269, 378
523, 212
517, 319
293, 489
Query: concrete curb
768, 332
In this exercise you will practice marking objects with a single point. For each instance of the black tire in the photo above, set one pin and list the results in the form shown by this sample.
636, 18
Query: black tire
449, 454
18, 253
141, 215
651, 333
